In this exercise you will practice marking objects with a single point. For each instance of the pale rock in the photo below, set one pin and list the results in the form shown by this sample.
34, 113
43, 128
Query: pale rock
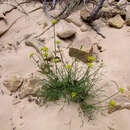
84, 28
116, 22
75, 19
30, 86
84, 14
81, 48
64, 29
13, 82
99, 23
122, 2
109, 12
128, 15
43, 24
54, 13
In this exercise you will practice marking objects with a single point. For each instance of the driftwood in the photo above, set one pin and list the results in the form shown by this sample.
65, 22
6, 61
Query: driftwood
70, 5
94, 13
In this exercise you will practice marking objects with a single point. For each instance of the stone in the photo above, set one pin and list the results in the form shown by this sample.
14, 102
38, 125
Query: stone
84, 28
111, 1
75, 19
65, 30
122, 2
30, 86
84, 14
98, 24
109, 12
82, 48
128, 15
43, 24
116, 22
13, 82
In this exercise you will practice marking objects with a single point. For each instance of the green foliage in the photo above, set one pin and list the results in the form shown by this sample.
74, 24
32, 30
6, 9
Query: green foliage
70, 82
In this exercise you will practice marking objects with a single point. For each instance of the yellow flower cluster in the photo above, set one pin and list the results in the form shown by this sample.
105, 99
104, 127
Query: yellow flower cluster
112, 103
54, 60
69, 67
53, 21
121, 90
90, 65
31, 55
91, 59
46, 54
45, 49
74, 94
58, 42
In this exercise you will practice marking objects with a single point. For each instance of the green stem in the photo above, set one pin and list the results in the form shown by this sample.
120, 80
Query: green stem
106, 98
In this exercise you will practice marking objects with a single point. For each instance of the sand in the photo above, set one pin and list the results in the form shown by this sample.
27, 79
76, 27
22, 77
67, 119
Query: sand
29, 116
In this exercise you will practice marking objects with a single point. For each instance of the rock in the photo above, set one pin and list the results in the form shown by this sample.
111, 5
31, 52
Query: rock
99, 24
84, 14
30, 86
128, 15
109, 12
64, 29
84, 28
43, 24
122, 2
54, 13
75, 19
116, 22
13, 82
82, 48
79, 54
111, 1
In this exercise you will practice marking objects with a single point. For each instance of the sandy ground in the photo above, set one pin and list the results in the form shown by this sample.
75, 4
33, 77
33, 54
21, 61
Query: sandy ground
29, 116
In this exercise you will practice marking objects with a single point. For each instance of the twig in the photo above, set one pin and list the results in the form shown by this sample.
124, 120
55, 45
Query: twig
96, 30
14, 7
18, 4
7, 29
106, 98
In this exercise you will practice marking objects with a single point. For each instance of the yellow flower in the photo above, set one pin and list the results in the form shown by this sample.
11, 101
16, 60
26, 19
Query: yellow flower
74, 94
46, 54
91, 58
53, 21
68, 67
121, 90
31, 55
54, 60
90, 65
58, 42
112, 103
44, 49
